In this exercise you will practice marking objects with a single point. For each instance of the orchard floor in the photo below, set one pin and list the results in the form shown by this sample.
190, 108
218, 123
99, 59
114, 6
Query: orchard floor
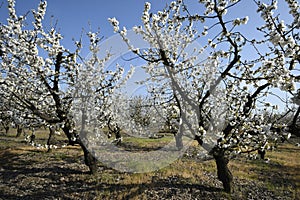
30, 173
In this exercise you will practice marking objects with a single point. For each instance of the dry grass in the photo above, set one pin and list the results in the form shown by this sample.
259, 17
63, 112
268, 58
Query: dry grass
280, 175
279, 172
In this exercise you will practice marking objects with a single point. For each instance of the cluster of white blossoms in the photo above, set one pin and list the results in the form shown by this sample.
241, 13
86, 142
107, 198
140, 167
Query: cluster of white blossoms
284, 45
239, 21
294, 9
115, 24
39, 15
209, 4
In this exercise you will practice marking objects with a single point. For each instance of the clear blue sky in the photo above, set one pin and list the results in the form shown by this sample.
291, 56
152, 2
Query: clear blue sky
73, 15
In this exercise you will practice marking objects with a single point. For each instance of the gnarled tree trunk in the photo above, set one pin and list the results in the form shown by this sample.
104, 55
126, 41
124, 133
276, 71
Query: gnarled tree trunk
89, 159
70, 135
115, 130
73, 137
224, 174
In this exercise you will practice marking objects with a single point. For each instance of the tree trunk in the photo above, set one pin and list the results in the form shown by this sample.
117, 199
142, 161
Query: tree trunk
178, 133
224, 174
6, 130
115, 130
178, 139
70, 135
19, 130
118, 137
51, 138
262, 154
89, 159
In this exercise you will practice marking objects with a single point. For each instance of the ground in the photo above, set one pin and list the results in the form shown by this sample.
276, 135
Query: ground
28, 172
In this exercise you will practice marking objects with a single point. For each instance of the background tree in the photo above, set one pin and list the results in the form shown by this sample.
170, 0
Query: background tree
173, 122
140, 113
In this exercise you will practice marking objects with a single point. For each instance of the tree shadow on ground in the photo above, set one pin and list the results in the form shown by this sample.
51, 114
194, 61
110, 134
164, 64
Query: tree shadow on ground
172, 189
137, 148
56, 179
33, 174
277, 174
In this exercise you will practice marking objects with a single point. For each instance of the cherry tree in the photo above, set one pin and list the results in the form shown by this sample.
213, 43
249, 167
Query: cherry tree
172, 116
222, 96
47, 80
143, 116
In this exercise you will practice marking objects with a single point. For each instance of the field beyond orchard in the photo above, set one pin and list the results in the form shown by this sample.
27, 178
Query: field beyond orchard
28, 172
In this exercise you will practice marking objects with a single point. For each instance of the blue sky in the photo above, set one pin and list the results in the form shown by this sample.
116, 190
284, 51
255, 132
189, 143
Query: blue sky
74, 15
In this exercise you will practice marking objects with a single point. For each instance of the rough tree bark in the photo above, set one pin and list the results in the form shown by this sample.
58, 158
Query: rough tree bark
70, 135
115, 130
224, 174
178, 139
89, 159
19, 130
73, 138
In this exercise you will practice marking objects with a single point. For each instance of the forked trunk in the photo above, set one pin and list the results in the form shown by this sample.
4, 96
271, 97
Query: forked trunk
224, 174
6, 130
